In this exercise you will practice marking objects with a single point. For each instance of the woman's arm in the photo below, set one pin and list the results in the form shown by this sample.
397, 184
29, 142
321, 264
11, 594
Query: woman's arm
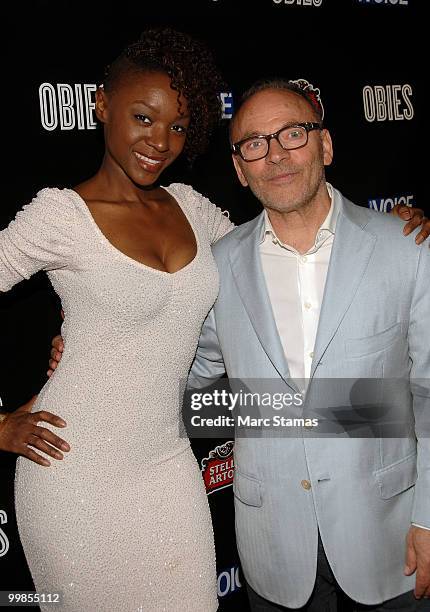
39, 238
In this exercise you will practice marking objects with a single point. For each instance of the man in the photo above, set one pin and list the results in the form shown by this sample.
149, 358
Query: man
312, 289
317, 288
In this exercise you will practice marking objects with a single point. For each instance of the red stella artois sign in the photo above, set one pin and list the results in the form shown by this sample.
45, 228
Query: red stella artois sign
218, 468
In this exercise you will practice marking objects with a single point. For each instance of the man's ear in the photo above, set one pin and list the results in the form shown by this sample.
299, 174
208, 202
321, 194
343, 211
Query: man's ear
101, 108
239, 172
327, 147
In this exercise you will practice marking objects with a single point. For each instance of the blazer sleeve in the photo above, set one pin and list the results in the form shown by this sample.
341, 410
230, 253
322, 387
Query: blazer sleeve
39, 238
419, 352
208, 364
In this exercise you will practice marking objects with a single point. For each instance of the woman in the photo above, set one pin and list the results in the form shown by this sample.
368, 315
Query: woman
123, 522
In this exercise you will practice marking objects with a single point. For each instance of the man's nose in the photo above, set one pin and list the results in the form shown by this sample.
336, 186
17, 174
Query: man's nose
276, 152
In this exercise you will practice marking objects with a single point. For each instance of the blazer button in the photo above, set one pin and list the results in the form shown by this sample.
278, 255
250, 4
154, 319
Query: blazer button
306, 484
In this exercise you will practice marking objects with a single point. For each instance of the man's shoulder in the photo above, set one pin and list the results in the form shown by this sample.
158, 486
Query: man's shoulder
386, 228
230, 240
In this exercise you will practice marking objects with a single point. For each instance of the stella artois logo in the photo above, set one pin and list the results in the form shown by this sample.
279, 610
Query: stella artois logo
313, 93
218, 468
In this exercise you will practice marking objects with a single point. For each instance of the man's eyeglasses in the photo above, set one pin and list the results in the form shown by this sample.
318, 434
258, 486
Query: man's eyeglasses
289, 137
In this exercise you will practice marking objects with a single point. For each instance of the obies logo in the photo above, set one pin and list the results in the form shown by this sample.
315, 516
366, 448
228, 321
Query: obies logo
228, 581
300, 2
218, 468
387, 204
388, 102
4, 542
69, 107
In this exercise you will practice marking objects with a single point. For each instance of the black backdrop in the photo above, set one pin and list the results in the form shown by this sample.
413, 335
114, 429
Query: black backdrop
361, 54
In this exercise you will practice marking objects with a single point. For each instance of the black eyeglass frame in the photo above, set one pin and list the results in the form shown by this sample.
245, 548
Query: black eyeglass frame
308, 126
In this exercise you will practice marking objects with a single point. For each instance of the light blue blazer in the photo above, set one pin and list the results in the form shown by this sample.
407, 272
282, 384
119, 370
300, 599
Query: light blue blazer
364, 493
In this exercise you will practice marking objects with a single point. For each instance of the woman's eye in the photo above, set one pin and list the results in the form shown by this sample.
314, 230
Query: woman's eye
143, 118
179, 128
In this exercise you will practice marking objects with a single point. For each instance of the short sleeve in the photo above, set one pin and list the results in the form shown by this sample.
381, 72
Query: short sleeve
217, 221
39, 238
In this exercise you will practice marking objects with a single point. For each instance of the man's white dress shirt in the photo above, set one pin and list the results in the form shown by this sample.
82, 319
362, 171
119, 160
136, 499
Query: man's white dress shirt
295, 284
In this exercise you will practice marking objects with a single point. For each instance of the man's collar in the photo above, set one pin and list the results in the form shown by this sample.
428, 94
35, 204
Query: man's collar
327, 228
329, 222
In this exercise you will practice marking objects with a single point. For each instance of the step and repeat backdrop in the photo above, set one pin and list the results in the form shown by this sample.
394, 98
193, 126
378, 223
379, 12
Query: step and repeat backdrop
360, 54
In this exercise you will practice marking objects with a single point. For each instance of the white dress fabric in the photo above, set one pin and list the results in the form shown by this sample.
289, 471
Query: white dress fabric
123, 522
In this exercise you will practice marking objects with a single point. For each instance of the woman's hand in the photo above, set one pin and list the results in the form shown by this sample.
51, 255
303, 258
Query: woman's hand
56, 354
415, 217
20, 430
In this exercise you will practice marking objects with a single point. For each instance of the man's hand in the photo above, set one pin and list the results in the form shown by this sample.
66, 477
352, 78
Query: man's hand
20, 431
415, 217
418, 559
56, 354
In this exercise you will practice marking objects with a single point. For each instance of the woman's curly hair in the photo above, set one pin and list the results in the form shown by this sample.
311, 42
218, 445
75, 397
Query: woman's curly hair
192, 71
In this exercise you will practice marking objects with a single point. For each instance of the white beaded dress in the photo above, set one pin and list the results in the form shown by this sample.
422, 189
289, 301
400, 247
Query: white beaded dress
122, 524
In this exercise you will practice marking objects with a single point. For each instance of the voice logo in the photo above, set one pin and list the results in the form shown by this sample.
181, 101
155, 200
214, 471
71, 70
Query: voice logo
387, 204
4, 541
388, 102
226, 104
228, 581
382, 2
300, 2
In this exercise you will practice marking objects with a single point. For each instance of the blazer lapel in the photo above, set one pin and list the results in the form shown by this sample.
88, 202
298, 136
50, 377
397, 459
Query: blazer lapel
352, 248
248, 274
